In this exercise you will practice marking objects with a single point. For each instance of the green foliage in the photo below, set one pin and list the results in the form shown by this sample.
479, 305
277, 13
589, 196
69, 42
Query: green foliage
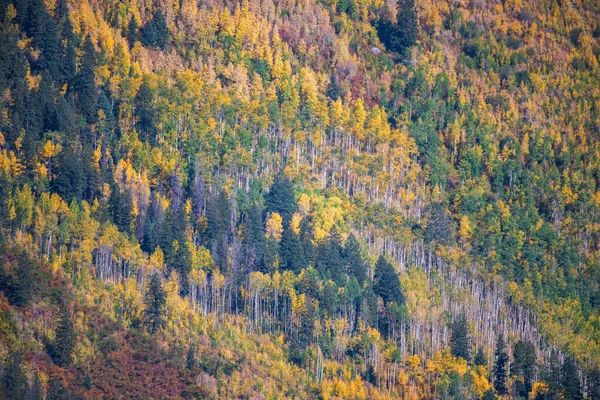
500, 366
155, 32
399, 37
386, 283
155, 301
460, 341
16, 385
61, 349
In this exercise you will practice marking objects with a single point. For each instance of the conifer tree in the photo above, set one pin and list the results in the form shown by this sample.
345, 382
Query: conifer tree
500, 366
570, 380
132, 31
64, 342
290, 250
156, 302
281, 199
85, 85
56, 390
355, 266
399, 37
37, 391
156, 33
460, 342
524, 366
480, 357
15, 381
387, 284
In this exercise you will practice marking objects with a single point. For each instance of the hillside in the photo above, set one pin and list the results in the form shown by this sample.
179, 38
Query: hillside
299, 199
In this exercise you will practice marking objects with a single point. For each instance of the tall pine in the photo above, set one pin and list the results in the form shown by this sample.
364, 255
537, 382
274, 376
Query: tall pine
500, 366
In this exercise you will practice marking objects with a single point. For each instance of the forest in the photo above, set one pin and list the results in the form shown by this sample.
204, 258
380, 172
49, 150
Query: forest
273, 199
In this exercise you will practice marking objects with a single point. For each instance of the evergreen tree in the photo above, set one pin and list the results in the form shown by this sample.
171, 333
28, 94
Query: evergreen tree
156, 303
570, 380
56, 390
121, 205
191, 362
500, 366
399, 37
281, 199
460, 341
480, 357
355, 266
85, 83
290, 250
15, 381
440, 227
387, 284
329, 262
22, 282
524, 366
69, 59
155, 32
132, 31
306, 237
69, 180
37, 391
64, 342
253, 237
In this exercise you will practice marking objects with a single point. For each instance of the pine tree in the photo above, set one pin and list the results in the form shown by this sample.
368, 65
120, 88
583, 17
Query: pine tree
253, 237
155, 32
524, 366
500, 366
329, 262
156, 303
480, 357
56, 390
460, 341
15, 381
85, 83
191, 362
355, 265
570, 380
37, 391
290, 250
281, 199
399, 37
387, 284
64, 342
132, 31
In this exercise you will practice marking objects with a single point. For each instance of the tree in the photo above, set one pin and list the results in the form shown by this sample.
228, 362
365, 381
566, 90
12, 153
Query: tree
64, 342
460, 341
56, 390
37, 391
480, 357
570, 380
85, 82
281, 199
399, 37
156, 303
156, 33
524, 366
132, 31
15, 381
290, 250
329, 262
387, 284
500, 366
440, 227
353, 261
191, 362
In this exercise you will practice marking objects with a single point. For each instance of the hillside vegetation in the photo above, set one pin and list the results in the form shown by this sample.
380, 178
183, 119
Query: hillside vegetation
299, 199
